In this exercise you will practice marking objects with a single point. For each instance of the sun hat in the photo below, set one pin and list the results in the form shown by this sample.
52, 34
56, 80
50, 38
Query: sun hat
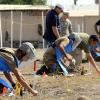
29, 49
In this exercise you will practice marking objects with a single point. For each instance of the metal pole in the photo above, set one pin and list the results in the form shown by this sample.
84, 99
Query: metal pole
43, 26
21, 16
83, 24
78, 27
11, 29
82, 27
0, 30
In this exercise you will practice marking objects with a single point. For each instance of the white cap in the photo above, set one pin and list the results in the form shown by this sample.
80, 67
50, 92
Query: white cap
60, 6
29, 49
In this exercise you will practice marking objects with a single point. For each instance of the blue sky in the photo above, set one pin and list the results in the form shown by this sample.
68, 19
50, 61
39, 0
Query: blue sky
70, 2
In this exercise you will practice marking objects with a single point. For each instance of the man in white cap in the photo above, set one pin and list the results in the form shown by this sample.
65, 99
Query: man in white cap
9, 62
52, 31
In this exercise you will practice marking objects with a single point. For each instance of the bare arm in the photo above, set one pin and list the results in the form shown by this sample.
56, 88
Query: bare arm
55, 31
90, 58
10, 79
70, 28
61, 46
22, 81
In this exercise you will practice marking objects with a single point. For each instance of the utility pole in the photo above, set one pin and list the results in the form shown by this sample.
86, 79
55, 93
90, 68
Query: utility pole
98, 2
75, 2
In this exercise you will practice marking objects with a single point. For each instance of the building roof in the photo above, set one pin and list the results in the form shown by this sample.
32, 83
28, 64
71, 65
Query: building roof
75, 12
83, 10
79, 13
23, 7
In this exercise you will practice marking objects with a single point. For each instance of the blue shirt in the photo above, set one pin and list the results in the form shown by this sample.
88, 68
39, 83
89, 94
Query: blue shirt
4, 67
52, 19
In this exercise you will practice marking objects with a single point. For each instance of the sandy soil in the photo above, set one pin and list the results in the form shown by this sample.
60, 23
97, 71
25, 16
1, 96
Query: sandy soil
59, 87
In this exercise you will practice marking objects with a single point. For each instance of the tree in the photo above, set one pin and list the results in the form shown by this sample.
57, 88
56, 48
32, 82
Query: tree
26, 2
39, 2
5, 1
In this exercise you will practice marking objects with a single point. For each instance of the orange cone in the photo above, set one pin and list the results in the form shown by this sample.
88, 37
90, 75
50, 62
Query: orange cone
4, 90
35, 66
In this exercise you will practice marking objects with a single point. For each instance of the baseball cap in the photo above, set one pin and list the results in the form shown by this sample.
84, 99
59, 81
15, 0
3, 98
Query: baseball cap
60, 6
77, 40
29, 49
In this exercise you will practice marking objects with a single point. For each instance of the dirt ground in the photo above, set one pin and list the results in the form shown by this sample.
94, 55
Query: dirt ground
59, 87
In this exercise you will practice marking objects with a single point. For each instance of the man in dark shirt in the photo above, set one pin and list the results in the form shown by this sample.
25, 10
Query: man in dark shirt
52, 24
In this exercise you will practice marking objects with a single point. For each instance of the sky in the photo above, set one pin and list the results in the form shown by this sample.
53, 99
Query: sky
70, 2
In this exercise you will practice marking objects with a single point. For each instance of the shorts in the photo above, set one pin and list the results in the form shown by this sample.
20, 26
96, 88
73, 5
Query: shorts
48, 60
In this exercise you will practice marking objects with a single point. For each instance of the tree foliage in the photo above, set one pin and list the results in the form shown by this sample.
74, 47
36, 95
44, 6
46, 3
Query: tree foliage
24, 2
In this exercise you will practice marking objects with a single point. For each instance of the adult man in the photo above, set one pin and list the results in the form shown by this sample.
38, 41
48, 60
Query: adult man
97, 27
55, 55
85, 45
9, 63
52, 24
66, 26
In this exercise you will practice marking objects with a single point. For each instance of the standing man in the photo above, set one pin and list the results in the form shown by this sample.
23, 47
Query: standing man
97, 27
66, 25
52, 31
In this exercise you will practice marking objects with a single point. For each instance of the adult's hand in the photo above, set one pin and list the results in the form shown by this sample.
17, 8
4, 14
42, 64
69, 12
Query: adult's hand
35, 93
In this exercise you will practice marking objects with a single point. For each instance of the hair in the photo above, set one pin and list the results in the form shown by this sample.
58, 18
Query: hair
94, 38
20, 53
